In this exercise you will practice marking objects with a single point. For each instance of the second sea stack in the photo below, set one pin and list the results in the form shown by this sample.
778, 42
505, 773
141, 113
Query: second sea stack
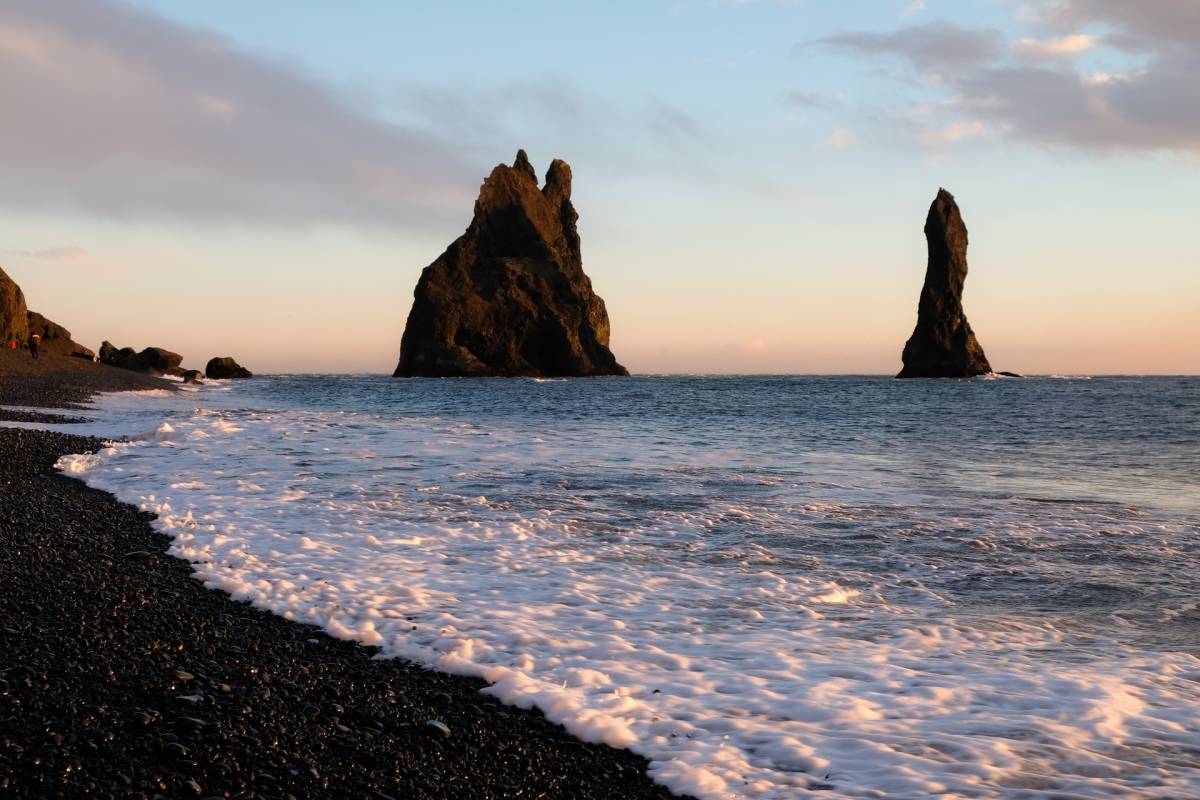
943, 344
509, 297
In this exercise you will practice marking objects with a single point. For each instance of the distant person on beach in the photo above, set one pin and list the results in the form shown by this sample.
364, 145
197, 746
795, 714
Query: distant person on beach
35, 344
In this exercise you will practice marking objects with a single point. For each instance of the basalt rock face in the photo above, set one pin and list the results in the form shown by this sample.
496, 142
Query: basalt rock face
18, 323
943, 344
14, 316
509, 297
152, 360
55, 338
226, 367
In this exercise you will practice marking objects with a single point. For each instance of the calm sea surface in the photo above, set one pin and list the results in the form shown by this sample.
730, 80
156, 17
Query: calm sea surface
856, 587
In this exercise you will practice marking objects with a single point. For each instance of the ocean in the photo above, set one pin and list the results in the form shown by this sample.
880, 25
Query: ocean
769, 586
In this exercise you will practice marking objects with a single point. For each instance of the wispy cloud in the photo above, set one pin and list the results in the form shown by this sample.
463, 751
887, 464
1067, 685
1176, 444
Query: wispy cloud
813, 100
952, 133
114, 112
120, 113
1050, 49
936, 48
61, 253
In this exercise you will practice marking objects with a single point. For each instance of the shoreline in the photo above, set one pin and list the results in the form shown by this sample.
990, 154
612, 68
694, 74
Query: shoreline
122, 676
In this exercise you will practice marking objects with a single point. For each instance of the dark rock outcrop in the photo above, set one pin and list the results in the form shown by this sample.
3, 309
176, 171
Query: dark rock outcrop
56, 338
226, 367
18, 323
14, 316
152, 360
943, 344
192, 376
509, 297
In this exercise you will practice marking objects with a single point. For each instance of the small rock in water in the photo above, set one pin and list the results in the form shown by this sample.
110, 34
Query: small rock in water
437, 726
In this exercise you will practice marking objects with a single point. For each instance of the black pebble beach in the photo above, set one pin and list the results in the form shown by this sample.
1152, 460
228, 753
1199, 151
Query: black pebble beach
121, 676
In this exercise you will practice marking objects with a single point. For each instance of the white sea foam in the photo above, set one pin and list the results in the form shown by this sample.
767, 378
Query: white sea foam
739, 668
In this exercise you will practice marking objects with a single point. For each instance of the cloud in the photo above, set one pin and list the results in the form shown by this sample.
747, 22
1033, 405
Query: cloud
819, 102
1144, 24
116, 113
1050, 49
119, 113
915, 7
66, 253
936, 48
952, 133
1032, 91
1156, 109
62, 253
674, 126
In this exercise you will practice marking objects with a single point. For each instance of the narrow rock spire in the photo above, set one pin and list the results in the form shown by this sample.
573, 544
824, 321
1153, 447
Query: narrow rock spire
943, 345
521, 164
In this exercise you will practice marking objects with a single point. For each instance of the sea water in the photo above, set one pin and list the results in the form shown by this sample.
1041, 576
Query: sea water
769, 587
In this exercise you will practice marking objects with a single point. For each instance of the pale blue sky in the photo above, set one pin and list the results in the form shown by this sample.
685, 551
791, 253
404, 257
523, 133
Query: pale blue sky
268, 179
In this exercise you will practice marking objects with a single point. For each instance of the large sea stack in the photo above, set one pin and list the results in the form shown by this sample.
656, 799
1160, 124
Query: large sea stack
509, 297
943, 344
14, 316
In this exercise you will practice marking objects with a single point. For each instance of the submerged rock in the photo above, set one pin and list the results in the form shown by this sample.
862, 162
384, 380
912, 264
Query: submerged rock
943, 345
192, 376
509, 296
152, 360
225, 367
14, 323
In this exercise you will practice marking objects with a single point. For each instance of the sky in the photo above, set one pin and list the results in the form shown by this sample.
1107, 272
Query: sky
267, 179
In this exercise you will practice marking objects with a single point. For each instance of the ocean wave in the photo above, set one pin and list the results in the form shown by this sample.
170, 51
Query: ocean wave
751, 632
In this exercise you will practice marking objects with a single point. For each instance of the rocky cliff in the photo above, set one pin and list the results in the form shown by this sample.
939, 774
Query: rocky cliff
943, 345
14, 316
56, 338
17, 322
509, 296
